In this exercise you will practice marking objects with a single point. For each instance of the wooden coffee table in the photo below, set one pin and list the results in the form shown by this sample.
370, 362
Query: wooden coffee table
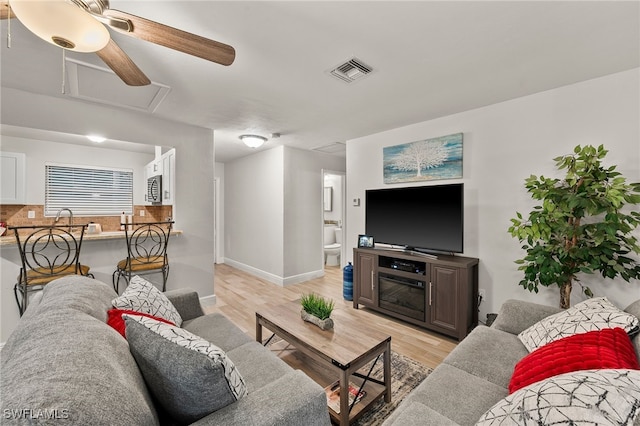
344, 350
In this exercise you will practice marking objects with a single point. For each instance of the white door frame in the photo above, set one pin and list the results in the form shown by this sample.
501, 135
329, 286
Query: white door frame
343, 213
217, 246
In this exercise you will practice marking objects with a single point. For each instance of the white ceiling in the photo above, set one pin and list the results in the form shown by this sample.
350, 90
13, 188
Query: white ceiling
430, 59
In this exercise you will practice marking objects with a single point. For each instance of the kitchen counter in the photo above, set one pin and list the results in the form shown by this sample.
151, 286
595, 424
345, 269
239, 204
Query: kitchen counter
9, 240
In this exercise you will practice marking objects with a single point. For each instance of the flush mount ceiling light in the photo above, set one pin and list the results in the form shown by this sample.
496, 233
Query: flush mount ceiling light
96, 138
253, 141
63, 24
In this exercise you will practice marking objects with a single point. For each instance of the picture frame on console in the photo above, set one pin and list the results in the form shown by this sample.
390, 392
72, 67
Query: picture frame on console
365, 241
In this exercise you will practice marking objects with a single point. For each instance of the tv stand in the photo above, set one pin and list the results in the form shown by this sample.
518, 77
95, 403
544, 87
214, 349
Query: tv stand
438, 293
419, 253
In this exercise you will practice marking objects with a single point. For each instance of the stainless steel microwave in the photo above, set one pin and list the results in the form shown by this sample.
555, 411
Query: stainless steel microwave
154, 190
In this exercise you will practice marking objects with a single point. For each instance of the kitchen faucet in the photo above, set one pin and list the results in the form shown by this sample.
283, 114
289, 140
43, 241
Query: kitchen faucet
70, 217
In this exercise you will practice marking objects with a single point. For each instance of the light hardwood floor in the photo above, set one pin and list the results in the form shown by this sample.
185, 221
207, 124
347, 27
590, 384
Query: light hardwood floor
240, 295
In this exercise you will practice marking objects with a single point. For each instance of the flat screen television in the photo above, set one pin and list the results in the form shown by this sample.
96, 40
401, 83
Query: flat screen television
418, 218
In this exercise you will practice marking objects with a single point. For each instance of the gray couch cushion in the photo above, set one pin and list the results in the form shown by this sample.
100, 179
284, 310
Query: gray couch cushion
516, 316
489, 354
186, 301
65, 357
416, 414
217, 329
259, 366
456, 394
291, 400
189, 376
82, 294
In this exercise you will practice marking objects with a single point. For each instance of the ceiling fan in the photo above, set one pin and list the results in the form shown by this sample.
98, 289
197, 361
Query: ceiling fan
78, 25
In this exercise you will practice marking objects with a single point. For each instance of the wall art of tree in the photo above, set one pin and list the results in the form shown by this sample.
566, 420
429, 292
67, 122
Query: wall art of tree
438, 158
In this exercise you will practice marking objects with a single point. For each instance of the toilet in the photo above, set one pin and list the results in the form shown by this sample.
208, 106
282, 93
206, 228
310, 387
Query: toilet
332, 245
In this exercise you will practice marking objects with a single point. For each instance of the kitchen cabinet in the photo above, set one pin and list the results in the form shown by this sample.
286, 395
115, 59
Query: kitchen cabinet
13, 178
154, 168
168, 161
437, 293
164, 166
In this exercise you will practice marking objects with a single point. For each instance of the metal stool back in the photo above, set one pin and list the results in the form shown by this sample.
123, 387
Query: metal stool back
47, 253
146, 252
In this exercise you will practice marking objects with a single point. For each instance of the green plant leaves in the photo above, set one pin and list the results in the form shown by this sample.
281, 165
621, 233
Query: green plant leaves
317, 306
579, 226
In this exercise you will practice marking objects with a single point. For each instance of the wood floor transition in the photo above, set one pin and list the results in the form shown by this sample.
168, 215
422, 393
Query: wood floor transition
239, 295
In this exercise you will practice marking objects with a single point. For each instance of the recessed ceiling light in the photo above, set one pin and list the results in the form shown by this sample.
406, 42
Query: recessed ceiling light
96, 138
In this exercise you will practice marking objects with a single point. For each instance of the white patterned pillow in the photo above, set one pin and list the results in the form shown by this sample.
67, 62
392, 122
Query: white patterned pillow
589, 397
592, 314
143, 296
189, 376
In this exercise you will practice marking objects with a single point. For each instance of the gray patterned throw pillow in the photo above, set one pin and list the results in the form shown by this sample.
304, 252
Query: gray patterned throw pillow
143, 296
189, 376
589, 397
592, 314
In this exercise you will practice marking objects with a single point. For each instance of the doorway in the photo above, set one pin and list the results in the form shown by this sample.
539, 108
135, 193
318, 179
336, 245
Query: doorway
333, 212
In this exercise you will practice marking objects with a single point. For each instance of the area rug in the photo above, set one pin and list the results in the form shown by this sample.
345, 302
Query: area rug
406, 374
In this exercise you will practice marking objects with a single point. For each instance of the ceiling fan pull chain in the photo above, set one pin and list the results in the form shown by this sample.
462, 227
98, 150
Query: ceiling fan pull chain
64, 69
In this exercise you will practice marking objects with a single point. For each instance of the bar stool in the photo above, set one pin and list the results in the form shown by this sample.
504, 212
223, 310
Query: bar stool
47, 253
146, 252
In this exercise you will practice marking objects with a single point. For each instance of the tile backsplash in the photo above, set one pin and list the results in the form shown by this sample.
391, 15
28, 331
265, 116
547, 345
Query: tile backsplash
17, 215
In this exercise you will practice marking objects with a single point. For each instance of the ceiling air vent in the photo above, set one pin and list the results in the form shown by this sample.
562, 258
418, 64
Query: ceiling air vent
351, 70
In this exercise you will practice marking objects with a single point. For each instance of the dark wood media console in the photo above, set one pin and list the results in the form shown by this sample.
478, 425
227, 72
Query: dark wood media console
439, 294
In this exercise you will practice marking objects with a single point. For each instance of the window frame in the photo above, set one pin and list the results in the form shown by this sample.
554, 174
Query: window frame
125, 203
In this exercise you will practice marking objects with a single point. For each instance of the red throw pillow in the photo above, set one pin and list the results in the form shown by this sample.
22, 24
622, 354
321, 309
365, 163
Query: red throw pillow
114, 319
607, 348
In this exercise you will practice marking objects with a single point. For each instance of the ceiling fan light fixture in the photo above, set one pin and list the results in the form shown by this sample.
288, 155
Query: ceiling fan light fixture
253, 141
62, 24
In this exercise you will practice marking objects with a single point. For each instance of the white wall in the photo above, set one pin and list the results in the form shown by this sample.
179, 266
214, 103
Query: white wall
254, 211
192, 252
303, 212
503, 145
273, 213
40, 152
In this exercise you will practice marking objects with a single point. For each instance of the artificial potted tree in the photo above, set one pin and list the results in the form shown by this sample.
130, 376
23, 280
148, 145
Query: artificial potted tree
317, 310
581, 226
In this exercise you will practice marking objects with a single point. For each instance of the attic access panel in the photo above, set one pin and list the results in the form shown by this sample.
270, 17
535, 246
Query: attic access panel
101, 85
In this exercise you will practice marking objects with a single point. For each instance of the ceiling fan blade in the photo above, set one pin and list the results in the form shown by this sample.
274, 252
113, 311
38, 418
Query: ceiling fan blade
176, 39
122, 65
5, 11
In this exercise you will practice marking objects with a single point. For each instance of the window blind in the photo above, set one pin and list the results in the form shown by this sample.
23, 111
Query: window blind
88, 191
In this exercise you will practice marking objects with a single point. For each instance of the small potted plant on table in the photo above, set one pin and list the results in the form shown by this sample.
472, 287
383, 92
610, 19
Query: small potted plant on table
317, 310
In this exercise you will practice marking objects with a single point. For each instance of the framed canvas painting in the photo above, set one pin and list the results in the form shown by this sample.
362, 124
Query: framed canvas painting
428, 159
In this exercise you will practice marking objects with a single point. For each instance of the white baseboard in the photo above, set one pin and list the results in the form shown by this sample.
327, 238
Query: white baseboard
272, 278
208, 300
296, 279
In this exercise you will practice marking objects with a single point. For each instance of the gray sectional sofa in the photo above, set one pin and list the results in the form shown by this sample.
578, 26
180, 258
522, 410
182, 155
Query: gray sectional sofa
64, 364
476, 374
